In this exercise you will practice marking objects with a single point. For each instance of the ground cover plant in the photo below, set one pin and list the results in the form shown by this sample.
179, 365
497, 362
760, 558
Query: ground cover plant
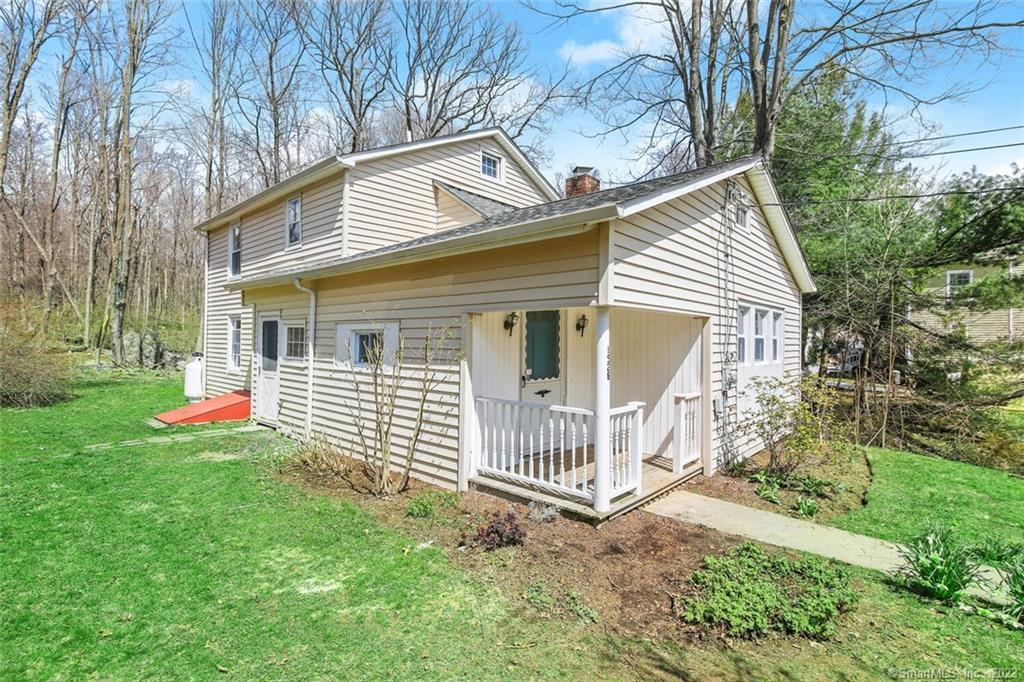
750, 592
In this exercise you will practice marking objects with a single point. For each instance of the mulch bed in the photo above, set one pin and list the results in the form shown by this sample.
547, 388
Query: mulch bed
853, 472
629, 570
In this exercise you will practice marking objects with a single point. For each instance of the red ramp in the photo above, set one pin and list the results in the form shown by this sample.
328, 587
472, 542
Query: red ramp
229, 407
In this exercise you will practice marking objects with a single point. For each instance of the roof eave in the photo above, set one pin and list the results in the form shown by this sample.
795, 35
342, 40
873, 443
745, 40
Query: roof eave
511, 235
314, 173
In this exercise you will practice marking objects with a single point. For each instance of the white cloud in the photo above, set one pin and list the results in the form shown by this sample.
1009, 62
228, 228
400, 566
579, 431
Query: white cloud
636, 27
589, 53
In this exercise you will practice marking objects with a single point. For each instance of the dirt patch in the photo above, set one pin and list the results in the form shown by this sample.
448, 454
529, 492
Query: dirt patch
851, 472
212, 456
628, 570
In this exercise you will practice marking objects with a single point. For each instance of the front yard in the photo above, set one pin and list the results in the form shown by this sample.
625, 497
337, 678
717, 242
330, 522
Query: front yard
200, 560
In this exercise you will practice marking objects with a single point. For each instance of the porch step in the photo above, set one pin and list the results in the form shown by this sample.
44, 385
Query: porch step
663, 487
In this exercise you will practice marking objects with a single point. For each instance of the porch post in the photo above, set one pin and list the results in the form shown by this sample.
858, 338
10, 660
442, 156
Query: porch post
469, 442
602, 406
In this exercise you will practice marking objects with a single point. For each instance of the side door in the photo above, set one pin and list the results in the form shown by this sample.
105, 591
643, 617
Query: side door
268, 370
543, 376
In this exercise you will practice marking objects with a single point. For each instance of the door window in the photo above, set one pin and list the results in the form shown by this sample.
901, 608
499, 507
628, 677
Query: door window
542, 330
269, 344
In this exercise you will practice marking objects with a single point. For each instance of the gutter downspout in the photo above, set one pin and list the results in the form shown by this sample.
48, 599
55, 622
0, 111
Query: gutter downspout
310, 349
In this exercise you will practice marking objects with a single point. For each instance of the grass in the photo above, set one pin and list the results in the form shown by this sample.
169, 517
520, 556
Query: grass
192, 560
168, 561
910, 491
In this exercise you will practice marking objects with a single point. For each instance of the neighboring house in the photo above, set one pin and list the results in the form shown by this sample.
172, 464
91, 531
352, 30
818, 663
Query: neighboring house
590, 333
991, 325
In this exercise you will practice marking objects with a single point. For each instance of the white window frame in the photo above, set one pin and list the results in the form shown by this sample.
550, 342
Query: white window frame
234, 366
234, 246
742, 337
772, 338
287, 342
777, 336
949, 286
346, 339
764, 314
288, 243
499, 163
740, 209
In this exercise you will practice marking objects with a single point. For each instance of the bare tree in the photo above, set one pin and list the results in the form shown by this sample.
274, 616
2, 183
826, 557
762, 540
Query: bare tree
723, 63
351, 46
463, 67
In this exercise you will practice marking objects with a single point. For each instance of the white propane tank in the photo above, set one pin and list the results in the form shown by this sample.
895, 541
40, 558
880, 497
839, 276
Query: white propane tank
194, 378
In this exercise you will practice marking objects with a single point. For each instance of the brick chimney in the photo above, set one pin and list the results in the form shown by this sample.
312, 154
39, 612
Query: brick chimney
583, 180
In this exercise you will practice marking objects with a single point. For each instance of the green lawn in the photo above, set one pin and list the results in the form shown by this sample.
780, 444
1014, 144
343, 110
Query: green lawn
191, 560
909, 491
177, 561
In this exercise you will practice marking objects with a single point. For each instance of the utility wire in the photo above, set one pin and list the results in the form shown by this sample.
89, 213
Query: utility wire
898, 143
858, 200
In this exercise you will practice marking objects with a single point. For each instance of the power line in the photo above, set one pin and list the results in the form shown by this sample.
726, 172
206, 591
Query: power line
858, 200
964, 151
944, 137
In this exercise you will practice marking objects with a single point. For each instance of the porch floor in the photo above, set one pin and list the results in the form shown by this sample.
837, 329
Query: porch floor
658, 479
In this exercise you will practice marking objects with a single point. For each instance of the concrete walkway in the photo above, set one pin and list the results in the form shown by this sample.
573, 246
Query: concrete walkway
793, 533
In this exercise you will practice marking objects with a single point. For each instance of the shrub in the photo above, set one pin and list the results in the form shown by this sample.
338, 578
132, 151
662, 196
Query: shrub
751, 593
805, 507
33, 371
1013, 578
426, 503
320, 457
501, 531
938, 566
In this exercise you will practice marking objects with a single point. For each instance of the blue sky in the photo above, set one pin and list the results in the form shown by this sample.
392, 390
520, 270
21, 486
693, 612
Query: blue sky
997, 102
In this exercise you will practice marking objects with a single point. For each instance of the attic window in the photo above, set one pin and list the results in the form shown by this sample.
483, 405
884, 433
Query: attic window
490, 166
741, 209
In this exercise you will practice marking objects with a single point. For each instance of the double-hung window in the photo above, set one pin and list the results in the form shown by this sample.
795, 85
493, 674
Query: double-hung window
235, 250
367, 347
234, 343
760, 324
956, 280
776, 336
293, 221
295, 342
741, 334
490, 166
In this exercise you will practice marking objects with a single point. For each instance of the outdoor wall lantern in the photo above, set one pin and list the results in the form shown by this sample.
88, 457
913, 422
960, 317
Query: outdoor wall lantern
510, 322
581, 324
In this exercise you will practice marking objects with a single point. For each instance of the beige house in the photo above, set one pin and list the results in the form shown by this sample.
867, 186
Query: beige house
1006, 324
599, 343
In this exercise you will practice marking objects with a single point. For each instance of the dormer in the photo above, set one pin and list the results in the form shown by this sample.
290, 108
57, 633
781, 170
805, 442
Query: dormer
457, 206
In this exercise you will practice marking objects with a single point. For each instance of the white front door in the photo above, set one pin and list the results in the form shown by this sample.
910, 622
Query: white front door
543, 377
268, 374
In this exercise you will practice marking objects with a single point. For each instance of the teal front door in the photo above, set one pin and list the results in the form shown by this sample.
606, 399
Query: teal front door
542, 378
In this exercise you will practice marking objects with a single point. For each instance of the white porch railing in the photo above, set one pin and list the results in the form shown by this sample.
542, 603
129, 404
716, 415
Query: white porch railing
551, 446
626, 452
686, 434
542, 445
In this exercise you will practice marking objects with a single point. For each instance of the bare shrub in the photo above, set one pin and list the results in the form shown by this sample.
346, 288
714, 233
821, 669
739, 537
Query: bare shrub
319, 456
33, 370
386, 379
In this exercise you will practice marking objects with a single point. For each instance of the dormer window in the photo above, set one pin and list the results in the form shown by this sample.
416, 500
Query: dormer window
293, 221
235, 250
490, 166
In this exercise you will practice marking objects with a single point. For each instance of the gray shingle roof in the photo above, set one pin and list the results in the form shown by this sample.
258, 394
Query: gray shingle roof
485, 206
520, 216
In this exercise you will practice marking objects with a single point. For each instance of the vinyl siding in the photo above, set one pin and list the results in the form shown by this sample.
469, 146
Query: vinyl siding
393, 199
221, 304
451, 212
432, 295
992, 325
672, 257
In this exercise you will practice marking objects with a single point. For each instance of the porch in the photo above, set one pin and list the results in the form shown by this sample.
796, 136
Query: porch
548, 415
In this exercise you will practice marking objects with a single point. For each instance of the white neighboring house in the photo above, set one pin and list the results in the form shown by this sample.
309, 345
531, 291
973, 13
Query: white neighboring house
602, 339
